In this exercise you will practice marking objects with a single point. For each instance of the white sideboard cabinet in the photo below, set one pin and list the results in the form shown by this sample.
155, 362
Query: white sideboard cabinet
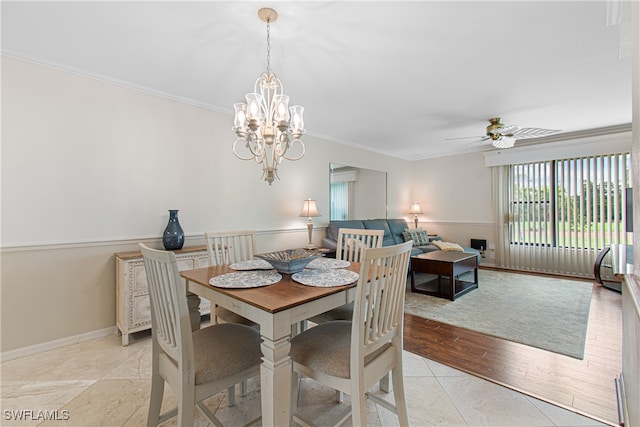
133, 312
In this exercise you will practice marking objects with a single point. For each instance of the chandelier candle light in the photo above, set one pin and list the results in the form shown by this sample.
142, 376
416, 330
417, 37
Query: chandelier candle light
415, 210
309, 209
265, 124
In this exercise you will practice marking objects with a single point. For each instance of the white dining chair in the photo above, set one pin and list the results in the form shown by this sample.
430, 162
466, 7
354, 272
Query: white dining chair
352, 242
228, 247
197, 364
352, 356
351, 246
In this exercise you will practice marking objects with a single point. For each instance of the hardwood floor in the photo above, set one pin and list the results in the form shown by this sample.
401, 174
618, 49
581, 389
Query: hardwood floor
584, 386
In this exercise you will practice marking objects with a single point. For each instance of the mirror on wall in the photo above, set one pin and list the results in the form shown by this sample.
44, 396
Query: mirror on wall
356, 193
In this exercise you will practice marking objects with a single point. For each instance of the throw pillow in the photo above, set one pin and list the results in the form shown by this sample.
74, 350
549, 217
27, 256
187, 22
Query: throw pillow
447, 246
418, 235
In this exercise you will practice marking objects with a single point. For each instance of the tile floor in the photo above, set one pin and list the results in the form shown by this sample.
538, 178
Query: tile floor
101, 383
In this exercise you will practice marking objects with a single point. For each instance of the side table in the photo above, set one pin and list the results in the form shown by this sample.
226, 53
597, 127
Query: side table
447, 264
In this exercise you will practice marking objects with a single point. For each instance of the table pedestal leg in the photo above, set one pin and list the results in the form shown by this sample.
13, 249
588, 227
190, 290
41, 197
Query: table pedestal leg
275, 380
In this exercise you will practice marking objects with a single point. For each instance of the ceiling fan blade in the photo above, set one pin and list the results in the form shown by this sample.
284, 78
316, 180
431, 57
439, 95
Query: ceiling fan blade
524, 133
477, 142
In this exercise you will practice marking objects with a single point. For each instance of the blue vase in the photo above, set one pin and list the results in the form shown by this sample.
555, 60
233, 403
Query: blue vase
173, 237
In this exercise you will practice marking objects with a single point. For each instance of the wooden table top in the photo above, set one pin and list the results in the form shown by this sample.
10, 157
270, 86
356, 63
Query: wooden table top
285, 294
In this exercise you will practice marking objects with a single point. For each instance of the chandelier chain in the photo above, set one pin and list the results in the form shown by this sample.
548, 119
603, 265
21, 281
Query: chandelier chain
268, 46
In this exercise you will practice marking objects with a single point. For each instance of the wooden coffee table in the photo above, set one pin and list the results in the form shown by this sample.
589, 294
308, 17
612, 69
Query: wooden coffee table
448, 266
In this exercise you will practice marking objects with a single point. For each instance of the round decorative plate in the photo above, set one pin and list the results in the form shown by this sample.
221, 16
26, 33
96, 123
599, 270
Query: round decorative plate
327, 263
246, 279
251, 264
326, 278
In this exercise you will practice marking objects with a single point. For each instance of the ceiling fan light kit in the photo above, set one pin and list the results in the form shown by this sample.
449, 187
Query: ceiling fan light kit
505, 136
504, 142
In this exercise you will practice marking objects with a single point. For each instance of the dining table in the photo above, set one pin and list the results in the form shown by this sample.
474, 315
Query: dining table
277, 308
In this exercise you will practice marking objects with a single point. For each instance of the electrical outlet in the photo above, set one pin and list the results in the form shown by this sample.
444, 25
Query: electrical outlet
492, 246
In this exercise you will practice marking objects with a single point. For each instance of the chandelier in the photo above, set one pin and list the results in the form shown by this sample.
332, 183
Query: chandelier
266, 126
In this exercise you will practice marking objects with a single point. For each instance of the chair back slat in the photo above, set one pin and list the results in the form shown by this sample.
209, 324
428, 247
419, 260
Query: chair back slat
228, 247
353, 242
379, 302
168, 298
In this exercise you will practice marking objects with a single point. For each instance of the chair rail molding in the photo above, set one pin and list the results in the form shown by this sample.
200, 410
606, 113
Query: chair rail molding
195, 238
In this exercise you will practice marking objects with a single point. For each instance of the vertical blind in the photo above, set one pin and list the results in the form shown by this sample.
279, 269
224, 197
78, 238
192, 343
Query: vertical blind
560, 213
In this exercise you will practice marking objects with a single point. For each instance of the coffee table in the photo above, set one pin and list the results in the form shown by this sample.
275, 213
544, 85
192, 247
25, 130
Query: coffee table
448, 266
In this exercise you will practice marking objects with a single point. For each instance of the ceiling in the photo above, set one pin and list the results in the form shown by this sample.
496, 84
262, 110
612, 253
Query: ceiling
398, 78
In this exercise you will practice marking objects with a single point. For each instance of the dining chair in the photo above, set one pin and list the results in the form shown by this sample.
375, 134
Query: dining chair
197, 364
352, 356
350, 247
352, 242
228, 247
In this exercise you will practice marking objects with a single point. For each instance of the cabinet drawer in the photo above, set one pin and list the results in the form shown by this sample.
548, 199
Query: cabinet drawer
202, 262
140, 285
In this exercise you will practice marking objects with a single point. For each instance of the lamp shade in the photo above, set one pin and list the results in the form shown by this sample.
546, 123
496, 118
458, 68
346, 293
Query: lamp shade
415, 208
309, 209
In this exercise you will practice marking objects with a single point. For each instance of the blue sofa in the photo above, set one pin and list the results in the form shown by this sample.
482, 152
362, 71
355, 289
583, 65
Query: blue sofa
393, 229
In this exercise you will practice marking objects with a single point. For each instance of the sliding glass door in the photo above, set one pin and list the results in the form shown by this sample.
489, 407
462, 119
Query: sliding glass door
560, 213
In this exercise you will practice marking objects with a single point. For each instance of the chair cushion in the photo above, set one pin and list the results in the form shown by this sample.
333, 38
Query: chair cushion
327, 348
418, 235
223, 350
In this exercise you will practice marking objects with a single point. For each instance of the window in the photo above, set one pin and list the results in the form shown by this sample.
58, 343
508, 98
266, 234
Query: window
339, 200
574, 203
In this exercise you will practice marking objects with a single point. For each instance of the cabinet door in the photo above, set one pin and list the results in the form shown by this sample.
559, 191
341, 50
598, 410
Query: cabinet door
138, 278
141, 311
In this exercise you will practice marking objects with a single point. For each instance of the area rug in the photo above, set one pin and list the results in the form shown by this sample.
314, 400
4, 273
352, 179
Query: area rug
544, 312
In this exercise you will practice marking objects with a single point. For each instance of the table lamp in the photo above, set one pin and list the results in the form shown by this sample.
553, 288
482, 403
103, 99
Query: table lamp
310, 210
415, 210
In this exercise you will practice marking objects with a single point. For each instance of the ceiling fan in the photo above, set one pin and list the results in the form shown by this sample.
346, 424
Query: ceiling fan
505, 136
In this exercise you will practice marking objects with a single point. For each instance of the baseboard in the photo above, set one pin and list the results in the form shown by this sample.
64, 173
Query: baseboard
51, 345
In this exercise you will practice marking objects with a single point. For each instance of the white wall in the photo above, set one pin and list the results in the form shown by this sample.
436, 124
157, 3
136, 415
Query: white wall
369, 199
90, 168
455, 196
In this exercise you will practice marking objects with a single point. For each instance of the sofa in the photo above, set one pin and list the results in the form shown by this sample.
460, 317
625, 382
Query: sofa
395, 232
